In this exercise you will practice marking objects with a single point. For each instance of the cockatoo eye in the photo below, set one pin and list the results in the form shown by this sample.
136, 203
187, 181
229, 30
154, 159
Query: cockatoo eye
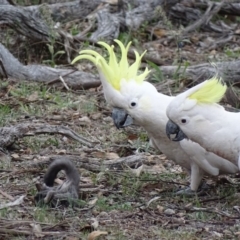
184, 120
133, 103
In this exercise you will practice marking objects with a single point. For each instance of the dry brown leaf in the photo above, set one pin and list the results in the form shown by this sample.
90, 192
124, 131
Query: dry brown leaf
33, 97
86, 180
15, 156
84, 121
104, 155
112, 2
112, 155
160, 32
217, 234
92, 202
96, 116
160, 208
4, 157
132, 136
179, 220
71, 238
37, 229
61, 151
93, 235
237, 31
94, 223
137, 171
6, 195
188, 205
156, 169
98, 154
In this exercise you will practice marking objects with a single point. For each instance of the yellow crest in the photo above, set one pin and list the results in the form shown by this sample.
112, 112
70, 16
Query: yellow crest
113, 70
211, 91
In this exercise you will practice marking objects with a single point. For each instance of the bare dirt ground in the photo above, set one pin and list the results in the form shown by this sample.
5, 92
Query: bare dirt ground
132, 203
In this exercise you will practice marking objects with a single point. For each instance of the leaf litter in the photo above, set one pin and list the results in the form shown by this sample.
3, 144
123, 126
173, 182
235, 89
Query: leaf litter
118, 201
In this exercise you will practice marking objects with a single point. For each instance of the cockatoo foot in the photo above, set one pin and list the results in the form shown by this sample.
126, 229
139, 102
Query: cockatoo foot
202, 190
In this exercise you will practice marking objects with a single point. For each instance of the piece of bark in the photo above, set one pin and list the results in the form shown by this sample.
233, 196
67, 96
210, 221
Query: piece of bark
108, 26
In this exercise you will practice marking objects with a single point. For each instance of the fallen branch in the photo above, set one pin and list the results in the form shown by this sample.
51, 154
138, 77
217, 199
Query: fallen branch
186, 14
206, 17
220, 42
14, 232
229, 7
8, 135
95, 165
210, 210
63, 130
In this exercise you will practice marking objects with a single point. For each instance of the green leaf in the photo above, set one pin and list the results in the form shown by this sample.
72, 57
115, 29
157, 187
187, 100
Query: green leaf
58, 53
51, 49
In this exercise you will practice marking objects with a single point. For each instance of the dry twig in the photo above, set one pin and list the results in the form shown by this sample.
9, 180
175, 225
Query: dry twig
210, 12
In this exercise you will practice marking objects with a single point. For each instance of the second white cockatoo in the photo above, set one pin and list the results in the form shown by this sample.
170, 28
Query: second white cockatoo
196, 114
126, 90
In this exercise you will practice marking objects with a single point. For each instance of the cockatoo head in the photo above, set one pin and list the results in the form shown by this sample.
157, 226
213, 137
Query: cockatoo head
191, 109
123, 85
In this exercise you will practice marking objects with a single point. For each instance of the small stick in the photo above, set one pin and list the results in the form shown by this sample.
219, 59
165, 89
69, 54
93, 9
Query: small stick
7, 195
65, 85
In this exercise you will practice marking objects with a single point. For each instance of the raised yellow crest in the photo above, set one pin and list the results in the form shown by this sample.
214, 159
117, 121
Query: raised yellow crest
113, 70
211, 91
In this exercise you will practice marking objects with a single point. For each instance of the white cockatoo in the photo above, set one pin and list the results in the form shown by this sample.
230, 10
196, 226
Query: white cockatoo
132, 97
196, 114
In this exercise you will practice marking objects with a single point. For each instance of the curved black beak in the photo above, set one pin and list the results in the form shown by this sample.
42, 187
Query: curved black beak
173, 132
121, 118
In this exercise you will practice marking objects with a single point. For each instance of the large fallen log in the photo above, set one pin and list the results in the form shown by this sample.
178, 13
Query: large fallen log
10, 67
229, 71
37, 21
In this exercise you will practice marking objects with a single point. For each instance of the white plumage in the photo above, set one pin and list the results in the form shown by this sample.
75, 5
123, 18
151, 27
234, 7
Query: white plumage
126, 89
